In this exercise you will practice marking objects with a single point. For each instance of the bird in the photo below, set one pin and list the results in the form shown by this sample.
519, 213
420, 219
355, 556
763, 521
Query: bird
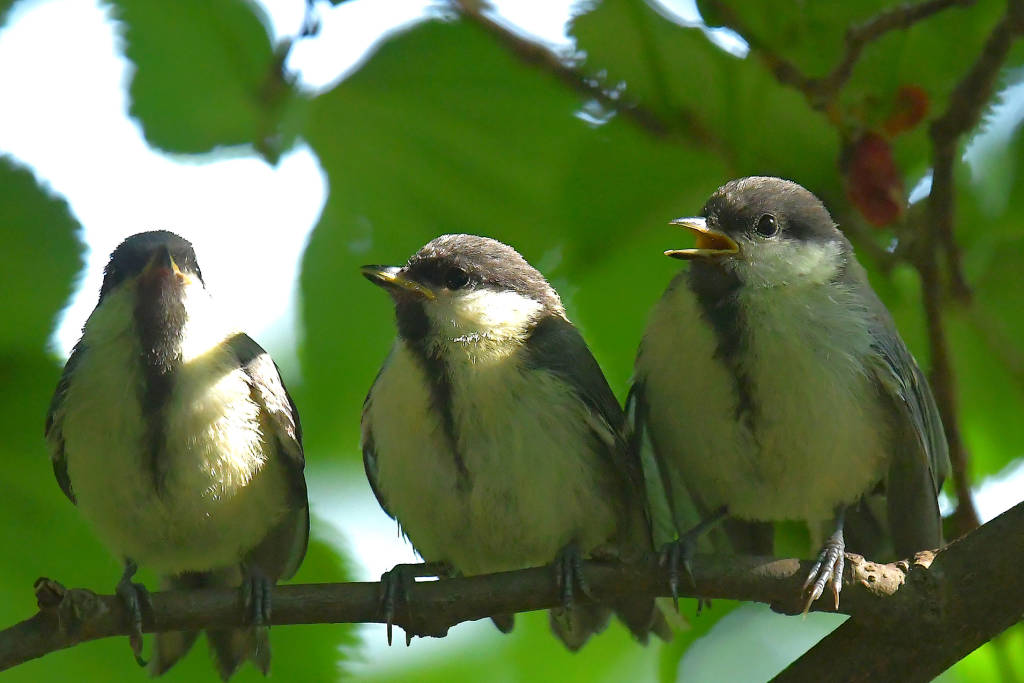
492, 436
771, 384
173, 434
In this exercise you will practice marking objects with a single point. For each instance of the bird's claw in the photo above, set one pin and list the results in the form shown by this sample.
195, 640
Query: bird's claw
135, 597
256, 591
827, 570
396, 584
569, 575
677, 555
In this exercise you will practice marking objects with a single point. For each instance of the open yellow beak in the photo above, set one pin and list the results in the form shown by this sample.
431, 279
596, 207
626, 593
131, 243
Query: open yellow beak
390, 277
163, 262
710, 243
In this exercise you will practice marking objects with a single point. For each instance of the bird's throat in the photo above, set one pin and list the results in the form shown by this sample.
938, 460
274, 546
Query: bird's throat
160, 319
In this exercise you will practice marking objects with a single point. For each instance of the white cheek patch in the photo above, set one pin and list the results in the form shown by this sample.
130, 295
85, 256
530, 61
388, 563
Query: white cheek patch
482, 317
782, 262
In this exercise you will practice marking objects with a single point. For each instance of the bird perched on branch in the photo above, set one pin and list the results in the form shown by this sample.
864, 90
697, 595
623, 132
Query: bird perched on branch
771, 383
491, 434
174, 435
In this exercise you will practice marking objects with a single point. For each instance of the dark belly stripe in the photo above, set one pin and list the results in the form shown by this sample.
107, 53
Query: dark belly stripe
716, 290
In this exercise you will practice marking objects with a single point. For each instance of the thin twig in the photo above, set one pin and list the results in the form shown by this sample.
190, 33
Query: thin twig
966, 104
821, 91
686, 124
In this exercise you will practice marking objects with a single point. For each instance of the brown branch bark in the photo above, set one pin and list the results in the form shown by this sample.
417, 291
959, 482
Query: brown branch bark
969, 594
959, 604
966, 105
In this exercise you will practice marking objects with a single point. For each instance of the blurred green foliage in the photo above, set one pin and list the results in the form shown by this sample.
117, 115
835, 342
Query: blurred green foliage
445, 129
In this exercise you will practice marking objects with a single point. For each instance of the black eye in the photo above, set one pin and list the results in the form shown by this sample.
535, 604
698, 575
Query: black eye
766, 226
455, 278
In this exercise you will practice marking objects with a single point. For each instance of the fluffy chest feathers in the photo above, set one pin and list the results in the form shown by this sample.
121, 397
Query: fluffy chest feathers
534, 477
207, 488
786, 424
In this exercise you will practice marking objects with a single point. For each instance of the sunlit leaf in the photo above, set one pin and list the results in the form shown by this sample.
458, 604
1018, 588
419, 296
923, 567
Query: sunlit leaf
206, 75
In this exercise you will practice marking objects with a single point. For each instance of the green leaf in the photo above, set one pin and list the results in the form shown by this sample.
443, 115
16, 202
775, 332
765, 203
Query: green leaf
732, 105
206, 75
41, 255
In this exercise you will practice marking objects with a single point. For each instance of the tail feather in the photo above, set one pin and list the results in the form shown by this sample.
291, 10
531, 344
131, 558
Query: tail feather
231, 647
171, 646
168, 648
574, 627
643, 617
504, 622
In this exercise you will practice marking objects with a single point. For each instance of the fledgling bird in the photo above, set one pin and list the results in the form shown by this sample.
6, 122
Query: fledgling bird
771, 382
491, 434
174, 435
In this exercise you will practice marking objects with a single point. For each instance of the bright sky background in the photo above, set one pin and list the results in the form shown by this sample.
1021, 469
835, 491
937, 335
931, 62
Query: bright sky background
64, 114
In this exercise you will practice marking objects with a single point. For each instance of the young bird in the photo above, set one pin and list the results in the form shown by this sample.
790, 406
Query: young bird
174, 435
491, 434
771, 382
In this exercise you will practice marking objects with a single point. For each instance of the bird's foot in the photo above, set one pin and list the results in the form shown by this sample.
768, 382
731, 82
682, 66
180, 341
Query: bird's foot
678, 555
396, 585
135, 597
256, 590
569, 575
828, 570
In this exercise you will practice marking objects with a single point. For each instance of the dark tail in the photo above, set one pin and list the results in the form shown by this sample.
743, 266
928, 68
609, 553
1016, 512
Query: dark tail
574, 627
643, 617
229, 647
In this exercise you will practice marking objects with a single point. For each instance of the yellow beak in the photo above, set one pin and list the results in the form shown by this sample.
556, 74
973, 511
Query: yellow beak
391, 277
710, 243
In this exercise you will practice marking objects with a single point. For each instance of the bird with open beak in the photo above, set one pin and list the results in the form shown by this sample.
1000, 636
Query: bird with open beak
491, 435
771, 384
174, 435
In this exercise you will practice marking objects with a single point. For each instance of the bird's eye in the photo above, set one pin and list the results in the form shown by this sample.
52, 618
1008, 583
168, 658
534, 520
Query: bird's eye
455, 278
767, 226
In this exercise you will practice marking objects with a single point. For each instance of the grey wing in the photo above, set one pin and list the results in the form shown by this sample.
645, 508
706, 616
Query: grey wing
370, 461
269, 392
660, 500
920, 456
55, 422
557, 347
369, 448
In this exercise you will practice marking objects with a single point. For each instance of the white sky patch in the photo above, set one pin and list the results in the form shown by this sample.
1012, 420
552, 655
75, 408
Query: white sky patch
348, 34
685, 13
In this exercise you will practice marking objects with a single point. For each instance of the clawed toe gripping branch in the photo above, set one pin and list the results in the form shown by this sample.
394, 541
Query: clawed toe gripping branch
940, 596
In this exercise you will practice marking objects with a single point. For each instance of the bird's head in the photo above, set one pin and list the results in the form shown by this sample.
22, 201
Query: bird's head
157, 266
768, 232
464, 290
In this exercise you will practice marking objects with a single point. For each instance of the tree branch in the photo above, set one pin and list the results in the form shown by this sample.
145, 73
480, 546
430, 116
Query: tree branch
944, 593
971, 593
822, 91
966, 104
